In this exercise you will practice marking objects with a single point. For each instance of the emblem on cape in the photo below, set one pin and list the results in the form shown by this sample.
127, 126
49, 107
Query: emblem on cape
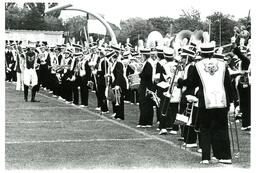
211, 67
31, 58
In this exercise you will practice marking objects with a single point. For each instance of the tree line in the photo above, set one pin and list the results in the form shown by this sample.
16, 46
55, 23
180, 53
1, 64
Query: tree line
31, 17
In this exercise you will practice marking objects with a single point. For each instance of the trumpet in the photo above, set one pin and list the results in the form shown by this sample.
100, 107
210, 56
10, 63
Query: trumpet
154, 97
117, 93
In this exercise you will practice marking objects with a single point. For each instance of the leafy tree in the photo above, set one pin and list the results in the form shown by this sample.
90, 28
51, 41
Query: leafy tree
134, 28
75, 27
9, 5
161, 24
221, 24
13, 17
53, 24
190, 20
31, 17
34, 19
55, 13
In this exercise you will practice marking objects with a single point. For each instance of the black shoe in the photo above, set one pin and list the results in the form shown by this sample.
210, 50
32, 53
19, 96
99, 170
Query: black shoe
25, 99
33, 100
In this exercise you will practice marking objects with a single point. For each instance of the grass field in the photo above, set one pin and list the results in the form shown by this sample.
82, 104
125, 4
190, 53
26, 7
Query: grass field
53, 135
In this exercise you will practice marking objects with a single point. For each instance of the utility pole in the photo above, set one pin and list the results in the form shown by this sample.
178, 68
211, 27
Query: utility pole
220, 31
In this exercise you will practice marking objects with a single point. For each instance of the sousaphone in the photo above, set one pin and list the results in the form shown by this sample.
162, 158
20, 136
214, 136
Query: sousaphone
154, 39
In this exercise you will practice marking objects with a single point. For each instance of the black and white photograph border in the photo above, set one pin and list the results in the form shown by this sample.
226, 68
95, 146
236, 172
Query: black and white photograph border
54, 128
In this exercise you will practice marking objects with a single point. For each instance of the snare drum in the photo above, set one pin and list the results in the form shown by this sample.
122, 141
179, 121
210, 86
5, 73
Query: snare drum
134, 81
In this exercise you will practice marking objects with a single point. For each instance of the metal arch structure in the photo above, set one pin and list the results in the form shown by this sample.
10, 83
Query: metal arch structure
103, 21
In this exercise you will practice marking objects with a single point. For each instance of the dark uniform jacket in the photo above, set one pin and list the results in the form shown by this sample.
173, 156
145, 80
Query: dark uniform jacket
195, 81
118, 73
146, 78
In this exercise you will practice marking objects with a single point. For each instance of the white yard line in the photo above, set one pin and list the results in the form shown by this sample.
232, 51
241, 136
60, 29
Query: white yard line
49, 122
40, 108
125, 126
128, 127
77, 140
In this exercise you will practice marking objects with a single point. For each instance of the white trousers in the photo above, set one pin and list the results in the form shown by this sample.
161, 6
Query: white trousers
20, 81
30, 77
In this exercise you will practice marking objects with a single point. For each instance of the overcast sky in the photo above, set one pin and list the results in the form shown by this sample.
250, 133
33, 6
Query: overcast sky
124, 9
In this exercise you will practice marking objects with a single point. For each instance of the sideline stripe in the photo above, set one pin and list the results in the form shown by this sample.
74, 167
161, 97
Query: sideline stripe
39, 108
130, 128
78, 140
39, 122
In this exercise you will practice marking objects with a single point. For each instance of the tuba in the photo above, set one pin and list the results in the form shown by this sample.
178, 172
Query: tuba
154, 39
182, 39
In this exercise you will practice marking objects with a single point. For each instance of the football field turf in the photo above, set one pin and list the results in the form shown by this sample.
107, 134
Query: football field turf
53, 135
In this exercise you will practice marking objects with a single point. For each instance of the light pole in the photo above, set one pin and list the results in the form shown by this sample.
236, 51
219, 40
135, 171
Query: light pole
209, 29
220, 31
66, 7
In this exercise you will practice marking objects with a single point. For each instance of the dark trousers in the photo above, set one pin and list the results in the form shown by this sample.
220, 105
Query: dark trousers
102, 100
160, 108
119, 109
44, 76
84, 91
11, 76
189, 133
134, 95
74, 87
127, 95
39, 80
245, 104
168, 114
214, 133
33, 92
67, 88
146, 109
54, 84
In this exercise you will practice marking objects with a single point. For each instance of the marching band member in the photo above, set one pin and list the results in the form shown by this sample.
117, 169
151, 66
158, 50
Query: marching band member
103, 80
170, 100
19, 68
67, 74
189, 133
59, 72
128, 71
30, 76
85, 76
75, 69
75, 76
118, 84
94, 59
244, 87
54, 64
132, 69
147, 82
136, 66
160, 72
215, 96
9, 64
44, 60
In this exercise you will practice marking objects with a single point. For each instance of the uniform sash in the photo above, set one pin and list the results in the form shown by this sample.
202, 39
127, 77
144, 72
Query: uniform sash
212, 73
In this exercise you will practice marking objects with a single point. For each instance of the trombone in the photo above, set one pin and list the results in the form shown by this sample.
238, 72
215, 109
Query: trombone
192, 100
170, 90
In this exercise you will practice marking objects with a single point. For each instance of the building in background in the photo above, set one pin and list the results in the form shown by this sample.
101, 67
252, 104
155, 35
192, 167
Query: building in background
26, 36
